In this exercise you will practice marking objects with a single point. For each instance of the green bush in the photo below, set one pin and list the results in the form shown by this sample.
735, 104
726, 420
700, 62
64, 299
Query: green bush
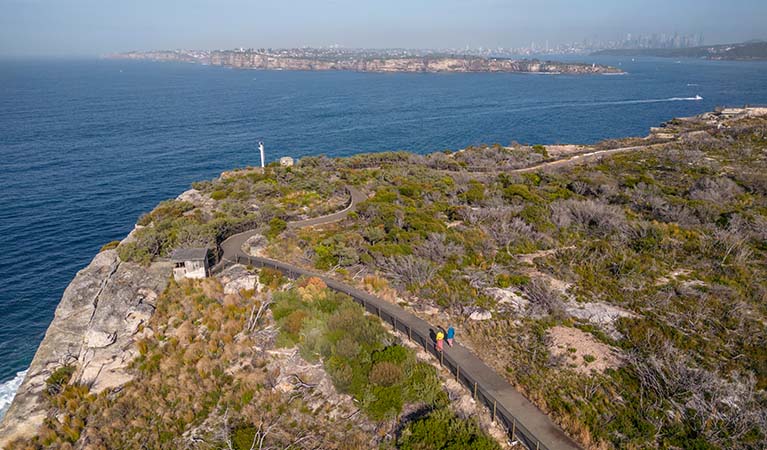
475, 194
60, 377
410, 190
133, 252
385, 373
276, 226
357, 352
538, 148
109, 246
324, 257
243, 437
442, 430
168, 209
382, 402
271, 277
506, 280
219, 194
521, 191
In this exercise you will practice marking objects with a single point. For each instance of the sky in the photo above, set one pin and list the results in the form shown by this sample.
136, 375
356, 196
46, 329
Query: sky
96, 27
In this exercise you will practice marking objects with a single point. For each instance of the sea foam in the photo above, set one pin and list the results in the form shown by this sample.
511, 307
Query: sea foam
8, 391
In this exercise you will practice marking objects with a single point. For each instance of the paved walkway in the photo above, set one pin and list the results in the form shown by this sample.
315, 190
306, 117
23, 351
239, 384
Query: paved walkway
532, 426
232, 246
585, 157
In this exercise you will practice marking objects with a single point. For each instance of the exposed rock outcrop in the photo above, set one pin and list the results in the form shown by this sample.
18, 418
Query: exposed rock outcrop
603, 315
255, 245
481, 314
237, 278
102, 312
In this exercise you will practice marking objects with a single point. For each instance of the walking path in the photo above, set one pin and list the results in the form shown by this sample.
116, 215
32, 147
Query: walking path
523, 419
232, 246
584, 157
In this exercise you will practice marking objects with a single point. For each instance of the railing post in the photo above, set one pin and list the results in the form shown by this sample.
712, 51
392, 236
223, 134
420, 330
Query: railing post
442, 358
494, 403
409, 334
457, 373
378, 311
537, 444
475, 390
513, 427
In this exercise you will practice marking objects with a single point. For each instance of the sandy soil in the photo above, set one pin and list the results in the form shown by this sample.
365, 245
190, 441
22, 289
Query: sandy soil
572, 345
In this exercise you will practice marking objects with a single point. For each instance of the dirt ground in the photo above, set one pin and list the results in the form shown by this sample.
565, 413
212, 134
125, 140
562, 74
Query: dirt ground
558, 151
581, 351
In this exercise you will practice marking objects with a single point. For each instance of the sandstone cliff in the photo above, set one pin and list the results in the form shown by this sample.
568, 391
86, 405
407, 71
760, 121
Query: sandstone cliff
103, 310
250, 59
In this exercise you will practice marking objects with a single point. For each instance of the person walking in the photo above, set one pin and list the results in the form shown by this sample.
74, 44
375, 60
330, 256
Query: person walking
440, 339
450, 336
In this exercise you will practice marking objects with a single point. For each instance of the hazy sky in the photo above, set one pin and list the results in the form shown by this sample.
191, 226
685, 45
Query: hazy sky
90, 27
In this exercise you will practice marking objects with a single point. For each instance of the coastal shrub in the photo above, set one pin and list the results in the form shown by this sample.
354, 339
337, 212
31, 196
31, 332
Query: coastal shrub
244, 436
408, 270
506, 280
442, 430
168, 209
411, 190
60, 377
271, 278
324, 257
475, 193
219, 194
540, 149
133, 252
276, 226
593, 216
520, 191
109, 246
382, 402
385, 373
360, 356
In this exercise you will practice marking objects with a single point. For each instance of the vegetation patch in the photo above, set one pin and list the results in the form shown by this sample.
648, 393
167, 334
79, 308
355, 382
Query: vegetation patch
362, 358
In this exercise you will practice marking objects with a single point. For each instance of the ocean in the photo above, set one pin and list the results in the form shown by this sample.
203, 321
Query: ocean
86, 146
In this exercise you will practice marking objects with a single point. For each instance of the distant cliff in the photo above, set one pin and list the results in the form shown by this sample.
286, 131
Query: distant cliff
298, 60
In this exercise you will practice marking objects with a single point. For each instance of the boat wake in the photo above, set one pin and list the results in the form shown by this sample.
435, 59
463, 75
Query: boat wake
505, 110
8, 391
651, 100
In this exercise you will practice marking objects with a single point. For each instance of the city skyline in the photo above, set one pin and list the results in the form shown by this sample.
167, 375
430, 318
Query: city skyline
88, 27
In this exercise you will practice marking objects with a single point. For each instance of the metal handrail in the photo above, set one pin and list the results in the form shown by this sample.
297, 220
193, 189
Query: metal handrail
499, 413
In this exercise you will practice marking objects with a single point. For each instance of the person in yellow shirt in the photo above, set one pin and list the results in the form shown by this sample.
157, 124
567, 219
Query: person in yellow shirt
440, 340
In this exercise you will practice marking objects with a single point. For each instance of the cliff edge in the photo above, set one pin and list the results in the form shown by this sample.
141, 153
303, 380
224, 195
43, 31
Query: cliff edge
103, 310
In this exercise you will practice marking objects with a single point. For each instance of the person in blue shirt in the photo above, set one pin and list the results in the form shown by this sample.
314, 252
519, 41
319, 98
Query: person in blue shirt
450, 336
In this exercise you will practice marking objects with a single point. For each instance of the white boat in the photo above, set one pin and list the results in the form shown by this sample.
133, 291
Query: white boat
698, 97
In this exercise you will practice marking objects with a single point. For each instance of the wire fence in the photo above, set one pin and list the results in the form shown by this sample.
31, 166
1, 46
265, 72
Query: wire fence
514, 428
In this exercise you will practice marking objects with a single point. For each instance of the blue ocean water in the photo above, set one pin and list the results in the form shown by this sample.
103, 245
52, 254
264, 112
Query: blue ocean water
86, 146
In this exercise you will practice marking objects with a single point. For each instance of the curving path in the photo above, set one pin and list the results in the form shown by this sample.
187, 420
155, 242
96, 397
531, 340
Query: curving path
232, 246
524, 420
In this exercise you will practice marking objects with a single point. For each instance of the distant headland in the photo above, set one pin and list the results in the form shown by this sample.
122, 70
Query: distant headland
745, 51
311, 59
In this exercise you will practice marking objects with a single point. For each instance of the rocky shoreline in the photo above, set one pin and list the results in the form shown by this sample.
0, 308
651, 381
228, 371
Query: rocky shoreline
251, 59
